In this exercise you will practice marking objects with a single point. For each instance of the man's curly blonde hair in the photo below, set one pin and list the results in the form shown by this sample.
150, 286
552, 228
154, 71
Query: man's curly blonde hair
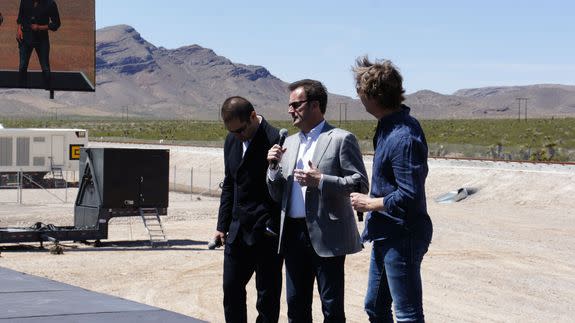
379, 80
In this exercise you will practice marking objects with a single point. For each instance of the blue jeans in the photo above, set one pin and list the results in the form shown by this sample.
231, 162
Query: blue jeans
394, 276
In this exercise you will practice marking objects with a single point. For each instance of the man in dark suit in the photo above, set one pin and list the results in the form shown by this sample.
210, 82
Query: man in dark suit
318, 169
246, 208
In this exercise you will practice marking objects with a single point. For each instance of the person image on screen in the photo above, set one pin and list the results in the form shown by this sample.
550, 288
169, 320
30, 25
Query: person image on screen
397, 221
35, 19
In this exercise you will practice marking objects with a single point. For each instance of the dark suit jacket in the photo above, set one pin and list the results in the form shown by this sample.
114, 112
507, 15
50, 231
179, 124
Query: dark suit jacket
245, 203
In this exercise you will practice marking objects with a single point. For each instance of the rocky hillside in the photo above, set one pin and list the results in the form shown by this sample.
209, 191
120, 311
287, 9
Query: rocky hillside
187, 82
192, 81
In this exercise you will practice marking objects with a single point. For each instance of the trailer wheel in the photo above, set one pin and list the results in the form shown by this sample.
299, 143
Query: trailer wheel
56, 249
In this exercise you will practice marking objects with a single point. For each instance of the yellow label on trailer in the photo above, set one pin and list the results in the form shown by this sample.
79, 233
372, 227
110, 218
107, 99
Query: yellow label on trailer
75, 152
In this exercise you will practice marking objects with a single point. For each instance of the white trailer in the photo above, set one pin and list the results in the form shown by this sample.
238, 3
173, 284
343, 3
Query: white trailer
40, 151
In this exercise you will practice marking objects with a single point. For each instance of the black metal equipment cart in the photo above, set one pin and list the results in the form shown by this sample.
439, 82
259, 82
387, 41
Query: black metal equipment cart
114, 182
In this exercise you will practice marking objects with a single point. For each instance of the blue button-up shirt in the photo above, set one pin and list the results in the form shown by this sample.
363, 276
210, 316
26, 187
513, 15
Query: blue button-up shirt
398, 176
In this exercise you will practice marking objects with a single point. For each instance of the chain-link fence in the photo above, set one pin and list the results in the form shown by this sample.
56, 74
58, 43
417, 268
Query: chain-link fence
196, 180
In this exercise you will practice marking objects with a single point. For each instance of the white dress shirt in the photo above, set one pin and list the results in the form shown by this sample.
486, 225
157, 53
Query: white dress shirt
305, 153
246, 144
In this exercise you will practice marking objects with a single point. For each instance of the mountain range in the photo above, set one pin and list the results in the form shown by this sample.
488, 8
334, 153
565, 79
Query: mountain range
134, 76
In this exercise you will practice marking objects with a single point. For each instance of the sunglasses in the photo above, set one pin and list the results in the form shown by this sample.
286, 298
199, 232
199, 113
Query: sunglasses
240, 129
297, 104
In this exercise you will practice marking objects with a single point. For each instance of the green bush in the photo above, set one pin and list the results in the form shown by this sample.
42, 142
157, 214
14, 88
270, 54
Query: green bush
534, 139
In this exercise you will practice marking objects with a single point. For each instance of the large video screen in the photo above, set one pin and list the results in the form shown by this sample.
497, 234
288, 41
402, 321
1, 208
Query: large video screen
48, 44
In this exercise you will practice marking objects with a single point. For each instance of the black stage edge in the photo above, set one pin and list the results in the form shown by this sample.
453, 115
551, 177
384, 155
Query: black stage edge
27, 298
61, 81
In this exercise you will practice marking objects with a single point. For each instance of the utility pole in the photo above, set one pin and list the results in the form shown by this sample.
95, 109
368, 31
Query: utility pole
340, 113
519, 100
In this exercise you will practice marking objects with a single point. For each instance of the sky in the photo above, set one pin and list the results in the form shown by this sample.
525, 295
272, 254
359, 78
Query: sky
438, 45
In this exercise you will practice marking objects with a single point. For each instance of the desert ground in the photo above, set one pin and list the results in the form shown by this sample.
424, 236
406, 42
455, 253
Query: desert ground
503, 254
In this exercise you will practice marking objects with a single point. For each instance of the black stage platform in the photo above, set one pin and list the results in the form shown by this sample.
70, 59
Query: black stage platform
27, 298
61, 81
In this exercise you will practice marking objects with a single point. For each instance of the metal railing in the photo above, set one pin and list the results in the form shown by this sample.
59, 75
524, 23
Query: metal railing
16, 187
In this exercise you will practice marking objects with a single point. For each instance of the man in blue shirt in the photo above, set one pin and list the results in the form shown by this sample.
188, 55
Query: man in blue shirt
397, 222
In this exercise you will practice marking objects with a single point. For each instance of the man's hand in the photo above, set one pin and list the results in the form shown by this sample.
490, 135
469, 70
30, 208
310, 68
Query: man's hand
364, 203
19, 34
275, 154
220, 236
310, 177
218, 240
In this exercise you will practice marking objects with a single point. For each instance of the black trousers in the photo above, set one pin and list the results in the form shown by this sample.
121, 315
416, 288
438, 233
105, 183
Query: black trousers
303, 266
42, 48
240, 263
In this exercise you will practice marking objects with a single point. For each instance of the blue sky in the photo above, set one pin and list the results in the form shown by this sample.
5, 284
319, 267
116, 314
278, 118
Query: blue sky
438, 45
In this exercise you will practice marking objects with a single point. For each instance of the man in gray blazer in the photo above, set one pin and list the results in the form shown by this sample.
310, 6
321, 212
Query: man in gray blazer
312, 176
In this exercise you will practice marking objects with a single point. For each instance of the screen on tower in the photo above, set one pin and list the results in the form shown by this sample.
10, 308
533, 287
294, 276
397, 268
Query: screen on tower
48, 44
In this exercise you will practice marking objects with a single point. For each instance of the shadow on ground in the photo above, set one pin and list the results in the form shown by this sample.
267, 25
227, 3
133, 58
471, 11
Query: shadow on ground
126, 245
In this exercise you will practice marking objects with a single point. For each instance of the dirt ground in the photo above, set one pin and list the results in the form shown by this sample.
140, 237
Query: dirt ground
504, 254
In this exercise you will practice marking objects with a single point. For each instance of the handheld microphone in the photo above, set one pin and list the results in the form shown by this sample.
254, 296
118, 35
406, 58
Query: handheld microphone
359, 214
283, 136
216, 243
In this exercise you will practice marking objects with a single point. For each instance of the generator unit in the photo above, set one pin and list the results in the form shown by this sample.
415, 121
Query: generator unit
37, 152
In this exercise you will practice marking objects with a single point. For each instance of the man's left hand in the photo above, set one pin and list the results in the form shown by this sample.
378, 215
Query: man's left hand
309, 177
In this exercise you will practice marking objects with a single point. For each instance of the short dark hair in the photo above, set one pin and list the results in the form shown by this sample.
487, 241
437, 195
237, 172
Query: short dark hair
314, 91
379, 80
237, 107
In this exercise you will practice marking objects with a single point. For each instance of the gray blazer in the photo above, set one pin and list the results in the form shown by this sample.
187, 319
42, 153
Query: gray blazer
329, 216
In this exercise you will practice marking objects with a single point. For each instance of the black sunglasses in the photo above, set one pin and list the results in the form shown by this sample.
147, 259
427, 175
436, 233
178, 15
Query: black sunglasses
297, 104
240, 129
